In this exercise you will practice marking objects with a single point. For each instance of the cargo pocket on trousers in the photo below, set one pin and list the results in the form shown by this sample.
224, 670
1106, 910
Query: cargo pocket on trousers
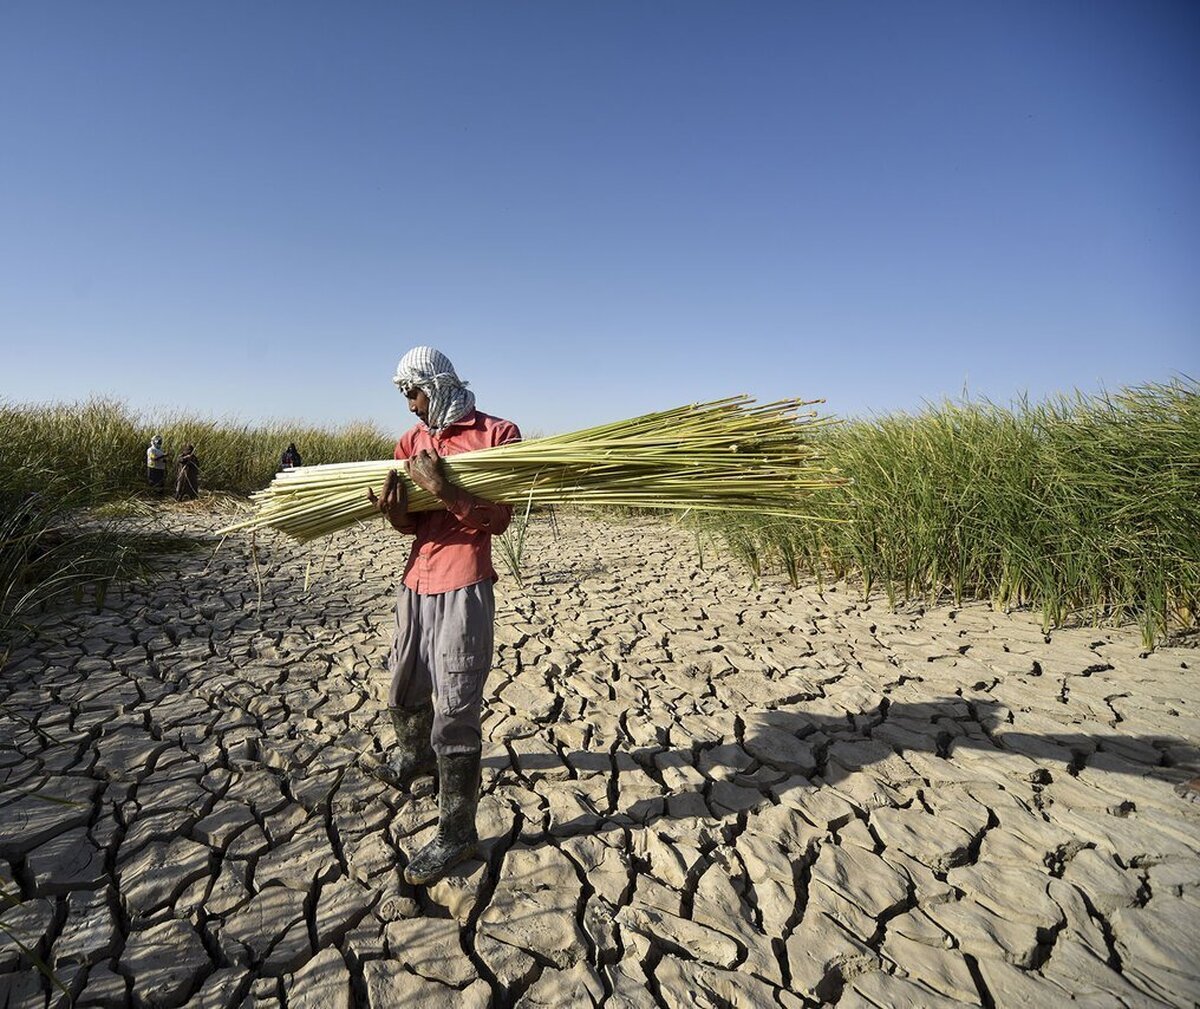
465, 672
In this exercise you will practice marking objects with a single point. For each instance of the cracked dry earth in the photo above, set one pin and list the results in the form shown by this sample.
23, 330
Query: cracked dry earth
697, 791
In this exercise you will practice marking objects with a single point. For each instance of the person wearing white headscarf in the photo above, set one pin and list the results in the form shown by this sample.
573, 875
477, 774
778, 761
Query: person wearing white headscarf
156, 465
445, 608
431, 371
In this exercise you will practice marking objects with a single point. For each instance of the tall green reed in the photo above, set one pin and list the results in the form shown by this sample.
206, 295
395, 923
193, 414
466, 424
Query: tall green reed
56, 459
99, 445
1083, 507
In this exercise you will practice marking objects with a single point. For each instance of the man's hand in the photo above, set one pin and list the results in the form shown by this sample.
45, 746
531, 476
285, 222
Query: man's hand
425, 470
393, 503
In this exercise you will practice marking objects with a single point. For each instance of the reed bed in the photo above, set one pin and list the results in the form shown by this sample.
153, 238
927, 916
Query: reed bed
727, 456
68, 471
99, 445
1084, 507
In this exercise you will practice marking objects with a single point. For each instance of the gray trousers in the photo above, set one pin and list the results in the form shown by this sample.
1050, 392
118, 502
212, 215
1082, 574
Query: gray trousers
442, 651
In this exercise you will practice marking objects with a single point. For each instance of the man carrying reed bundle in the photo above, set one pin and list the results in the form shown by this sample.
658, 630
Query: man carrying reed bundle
445, 609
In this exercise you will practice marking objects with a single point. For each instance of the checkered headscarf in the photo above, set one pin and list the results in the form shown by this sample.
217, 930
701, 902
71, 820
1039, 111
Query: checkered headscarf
431, 370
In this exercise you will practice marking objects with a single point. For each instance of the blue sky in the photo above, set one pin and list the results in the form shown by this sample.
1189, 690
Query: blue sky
596, 209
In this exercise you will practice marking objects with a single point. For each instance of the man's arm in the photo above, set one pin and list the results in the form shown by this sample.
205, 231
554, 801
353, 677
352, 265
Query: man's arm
393, 503
425, 470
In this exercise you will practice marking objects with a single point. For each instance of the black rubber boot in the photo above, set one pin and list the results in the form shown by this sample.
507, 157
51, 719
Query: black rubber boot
412, 755
458, 797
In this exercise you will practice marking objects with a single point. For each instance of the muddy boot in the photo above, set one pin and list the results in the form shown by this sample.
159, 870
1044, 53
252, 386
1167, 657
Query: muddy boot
458, 796
412, 755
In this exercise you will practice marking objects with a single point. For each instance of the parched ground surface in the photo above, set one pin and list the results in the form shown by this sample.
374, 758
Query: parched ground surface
697, 792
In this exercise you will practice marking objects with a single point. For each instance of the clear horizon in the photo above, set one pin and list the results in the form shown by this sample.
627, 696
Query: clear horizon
595, 211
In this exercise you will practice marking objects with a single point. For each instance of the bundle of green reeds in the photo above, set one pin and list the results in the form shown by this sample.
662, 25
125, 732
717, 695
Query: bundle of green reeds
731, 455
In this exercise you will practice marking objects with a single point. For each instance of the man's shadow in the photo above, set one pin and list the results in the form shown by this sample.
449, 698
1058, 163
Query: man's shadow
767, 751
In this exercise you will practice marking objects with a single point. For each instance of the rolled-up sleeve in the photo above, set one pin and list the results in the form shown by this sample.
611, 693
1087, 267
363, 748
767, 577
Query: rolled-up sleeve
473, 511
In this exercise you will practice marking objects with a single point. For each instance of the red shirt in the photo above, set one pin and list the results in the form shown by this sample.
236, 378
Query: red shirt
453, 547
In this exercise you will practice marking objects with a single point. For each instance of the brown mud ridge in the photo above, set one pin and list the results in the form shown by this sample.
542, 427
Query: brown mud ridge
698, 791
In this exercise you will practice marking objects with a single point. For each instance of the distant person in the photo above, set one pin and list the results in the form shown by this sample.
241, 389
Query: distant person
156, 465
291, 457
187, 474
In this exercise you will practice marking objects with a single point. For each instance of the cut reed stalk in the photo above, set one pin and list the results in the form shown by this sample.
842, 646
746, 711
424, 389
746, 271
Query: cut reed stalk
731, 455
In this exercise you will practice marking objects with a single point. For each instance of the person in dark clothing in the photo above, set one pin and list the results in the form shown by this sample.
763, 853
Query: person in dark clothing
187, 474
290, 458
